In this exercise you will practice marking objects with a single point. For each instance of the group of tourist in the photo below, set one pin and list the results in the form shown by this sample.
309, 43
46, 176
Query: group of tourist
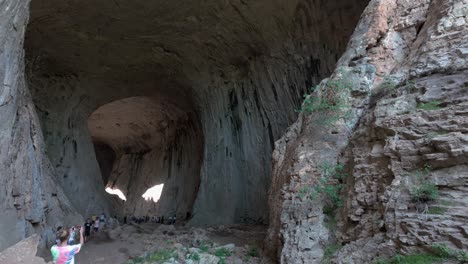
147, 219
67, 244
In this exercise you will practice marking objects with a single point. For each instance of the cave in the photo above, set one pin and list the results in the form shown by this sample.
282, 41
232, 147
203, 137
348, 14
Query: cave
302, 131
132, 95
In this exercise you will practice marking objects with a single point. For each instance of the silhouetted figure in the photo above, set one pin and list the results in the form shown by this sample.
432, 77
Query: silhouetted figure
87, 232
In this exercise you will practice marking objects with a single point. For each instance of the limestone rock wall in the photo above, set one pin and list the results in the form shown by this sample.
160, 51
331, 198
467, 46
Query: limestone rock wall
63, 111
31, 201
403, 55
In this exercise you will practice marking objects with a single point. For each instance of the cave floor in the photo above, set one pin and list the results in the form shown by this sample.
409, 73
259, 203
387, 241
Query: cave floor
125, 244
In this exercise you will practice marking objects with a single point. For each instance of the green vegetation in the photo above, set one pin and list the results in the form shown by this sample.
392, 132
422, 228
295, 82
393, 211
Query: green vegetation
204, 248
331, 102
222, 252
443, 251
426, 192
423, 258
421, 173
159, 256
252, 252
439, 253
436, 210
387, 86
329, 190
304, 191
329, 251
194, 257
429, 106
462, 257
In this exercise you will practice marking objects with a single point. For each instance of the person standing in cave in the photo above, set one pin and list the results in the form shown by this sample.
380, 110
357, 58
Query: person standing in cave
64, 253
103, 218
87, 226
96, 225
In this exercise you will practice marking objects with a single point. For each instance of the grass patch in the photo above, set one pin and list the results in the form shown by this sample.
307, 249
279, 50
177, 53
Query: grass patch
426, 192
387, 86
194, 257
331, 102
429, 106
436, 210
204, 248
439, 253
223, 252
330, 250
252, 252
159, 256
424, 258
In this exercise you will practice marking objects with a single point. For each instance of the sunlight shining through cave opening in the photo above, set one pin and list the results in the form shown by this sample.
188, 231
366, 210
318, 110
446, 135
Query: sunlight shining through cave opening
153, 193
116, 192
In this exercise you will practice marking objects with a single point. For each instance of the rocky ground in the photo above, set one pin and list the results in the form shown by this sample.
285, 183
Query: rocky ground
155, 243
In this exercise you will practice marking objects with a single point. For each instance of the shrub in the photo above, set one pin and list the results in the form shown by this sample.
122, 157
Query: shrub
331, 103
426, 192
161, 255
462, 256
429, 106
330, 191
252, 252
442, 251
330, 250
204, 248
222, 252
422, 258
194, 256
387, 86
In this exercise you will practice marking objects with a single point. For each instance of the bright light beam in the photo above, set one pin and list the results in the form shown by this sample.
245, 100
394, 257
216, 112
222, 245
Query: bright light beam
153, 193
117, 192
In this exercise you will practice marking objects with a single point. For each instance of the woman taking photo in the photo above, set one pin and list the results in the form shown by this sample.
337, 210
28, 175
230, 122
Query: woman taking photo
64, 253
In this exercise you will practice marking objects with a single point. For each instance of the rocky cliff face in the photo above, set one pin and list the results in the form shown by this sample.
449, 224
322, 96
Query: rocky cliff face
31, 200
402, 149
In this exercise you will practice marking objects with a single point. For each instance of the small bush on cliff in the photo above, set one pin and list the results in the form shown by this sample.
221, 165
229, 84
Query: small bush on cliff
429, 106
331, 102
330, 250
423, 258
462, 257
387, 86
426, 192
327, 187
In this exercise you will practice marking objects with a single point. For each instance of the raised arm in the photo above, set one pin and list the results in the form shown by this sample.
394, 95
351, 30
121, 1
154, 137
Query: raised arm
81, 235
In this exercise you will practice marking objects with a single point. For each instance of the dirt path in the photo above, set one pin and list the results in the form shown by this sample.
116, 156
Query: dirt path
103, 250
131, 241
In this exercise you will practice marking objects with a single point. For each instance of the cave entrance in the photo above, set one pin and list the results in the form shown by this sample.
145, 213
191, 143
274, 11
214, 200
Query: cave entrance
117, 192
144, 146
154, 193
216, 81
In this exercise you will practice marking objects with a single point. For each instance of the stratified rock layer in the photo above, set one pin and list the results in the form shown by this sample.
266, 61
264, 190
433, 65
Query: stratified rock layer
407, 65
